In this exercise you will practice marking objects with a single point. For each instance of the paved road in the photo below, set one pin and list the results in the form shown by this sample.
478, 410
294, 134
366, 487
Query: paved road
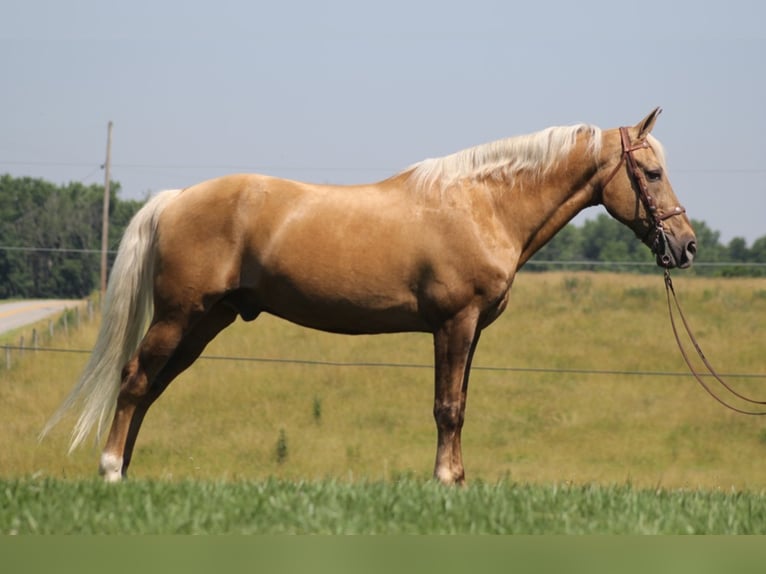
20, 313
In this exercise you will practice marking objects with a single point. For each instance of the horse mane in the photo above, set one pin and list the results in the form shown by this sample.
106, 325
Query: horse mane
658, 150
503, 159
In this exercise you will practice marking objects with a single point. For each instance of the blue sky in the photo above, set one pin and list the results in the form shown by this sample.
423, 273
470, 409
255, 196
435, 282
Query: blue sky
347, 92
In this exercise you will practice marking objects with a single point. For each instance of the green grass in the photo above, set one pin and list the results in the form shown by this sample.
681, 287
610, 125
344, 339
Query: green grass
44, 506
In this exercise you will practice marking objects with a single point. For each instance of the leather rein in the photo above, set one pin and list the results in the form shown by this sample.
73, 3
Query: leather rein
670, 290
665, 258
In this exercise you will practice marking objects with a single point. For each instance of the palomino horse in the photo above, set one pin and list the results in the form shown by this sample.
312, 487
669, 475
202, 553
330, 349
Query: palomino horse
432, 249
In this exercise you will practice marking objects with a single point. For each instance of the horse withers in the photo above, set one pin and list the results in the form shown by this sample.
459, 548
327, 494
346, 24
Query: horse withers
432, 249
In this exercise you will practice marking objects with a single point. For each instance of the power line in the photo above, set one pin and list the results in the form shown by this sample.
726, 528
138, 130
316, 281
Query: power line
230, 167
43, 163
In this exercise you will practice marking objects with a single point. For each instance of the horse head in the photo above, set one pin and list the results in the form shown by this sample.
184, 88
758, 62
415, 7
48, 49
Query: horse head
637, 192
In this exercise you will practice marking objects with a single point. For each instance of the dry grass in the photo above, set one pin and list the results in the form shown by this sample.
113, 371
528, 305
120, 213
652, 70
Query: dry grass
222, 420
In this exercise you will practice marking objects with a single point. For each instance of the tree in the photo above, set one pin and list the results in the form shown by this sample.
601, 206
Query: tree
604, 240
566, 245
737, 250
709, 247
758, 250
51, 236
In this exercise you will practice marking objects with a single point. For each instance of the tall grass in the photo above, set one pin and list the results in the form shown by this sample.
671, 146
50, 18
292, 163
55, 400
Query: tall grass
334, 507
223, 420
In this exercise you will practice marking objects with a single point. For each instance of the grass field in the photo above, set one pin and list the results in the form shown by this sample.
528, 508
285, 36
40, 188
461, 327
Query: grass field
403, 507
245, 422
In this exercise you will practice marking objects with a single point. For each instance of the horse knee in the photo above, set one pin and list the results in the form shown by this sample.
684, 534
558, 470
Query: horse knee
134, 385
448, 416
139, 373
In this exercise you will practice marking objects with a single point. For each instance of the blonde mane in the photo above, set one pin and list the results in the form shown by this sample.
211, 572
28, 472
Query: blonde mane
503, 159
658, 150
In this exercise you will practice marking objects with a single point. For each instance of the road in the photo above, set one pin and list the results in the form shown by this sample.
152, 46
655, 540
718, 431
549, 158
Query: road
20, 313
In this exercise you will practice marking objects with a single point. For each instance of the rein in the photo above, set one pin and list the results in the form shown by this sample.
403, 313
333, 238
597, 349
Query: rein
669, 290
665, 258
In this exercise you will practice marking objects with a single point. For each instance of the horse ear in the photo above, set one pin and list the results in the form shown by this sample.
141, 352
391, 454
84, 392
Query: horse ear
645, 126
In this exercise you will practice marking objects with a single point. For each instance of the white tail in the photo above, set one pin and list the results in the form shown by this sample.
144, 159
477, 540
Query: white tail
128, 306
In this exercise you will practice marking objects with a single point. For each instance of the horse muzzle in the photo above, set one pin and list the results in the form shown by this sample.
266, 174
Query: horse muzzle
674, 252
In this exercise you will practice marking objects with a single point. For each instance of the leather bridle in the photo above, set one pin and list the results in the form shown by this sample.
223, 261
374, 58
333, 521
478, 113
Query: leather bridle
660, 247
659, 243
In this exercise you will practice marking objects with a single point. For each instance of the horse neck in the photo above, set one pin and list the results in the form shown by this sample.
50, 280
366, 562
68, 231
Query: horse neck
536, 207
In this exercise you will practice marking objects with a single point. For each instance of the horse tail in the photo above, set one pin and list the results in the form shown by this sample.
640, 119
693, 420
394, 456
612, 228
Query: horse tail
128, 306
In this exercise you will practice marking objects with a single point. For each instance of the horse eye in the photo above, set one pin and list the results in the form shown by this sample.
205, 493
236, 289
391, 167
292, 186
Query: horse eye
654, 174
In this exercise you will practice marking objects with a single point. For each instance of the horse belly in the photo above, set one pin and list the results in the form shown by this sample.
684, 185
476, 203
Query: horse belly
339, 308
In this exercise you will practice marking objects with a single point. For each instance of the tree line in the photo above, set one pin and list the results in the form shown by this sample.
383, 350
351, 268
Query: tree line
603, 243
50, 236
50, 241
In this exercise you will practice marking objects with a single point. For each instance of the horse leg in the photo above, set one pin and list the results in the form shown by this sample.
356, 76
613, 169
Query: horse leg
164, 353
191, 347
457, 451
454, 344
158, 344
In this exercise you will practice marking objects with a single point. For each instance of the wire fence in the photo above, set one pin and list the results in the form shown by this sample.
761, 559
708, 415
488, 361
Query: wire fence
531, 263
396, 365
22, 249
593, 263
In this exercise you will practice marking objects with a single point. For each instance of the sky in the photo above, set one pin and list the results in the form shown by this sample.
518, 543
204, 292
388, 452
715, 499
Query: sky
352, 91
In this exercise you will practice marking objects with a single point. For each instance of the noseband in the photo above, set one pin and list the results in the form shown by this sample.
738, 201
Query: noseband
659, 243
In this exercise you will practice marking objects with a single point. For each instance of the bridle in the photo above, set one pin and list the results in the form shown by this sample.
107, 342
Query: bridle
659, 243
660, 247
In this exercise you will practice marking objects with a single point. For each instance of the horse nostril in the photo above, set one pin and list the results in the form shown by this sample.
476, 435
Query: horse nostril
687, 257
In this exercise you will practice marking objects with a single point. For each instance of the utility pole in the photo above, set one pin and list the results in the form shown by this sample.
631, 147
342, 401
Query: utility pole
105, 215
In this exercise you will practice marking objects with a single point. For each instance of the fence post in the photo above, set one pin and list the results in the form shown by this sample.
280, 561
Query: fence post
50, 327
7, 357
66, 323
21, 346
34, 340
77, 317
90, 310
